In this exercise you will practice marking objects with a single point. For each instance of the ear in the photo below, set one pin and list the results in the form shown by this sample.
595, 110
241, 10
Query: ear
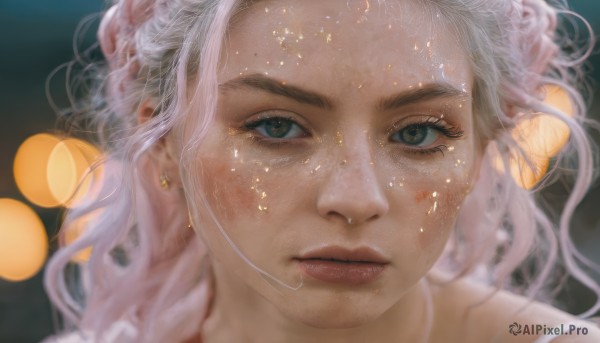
162, 154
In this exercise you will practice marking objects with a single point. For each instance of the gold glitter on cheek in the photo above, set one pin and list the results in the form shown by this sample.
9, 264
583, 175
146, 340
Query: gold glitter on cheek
326, 36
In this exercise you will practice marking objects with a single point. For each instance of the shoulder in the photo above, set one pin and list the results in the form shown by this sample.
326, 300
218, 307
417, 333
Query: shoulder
473, 312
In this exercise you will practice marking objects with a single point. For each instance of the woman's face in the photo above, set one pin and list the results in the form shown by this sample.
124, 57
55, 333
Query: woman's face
342, 150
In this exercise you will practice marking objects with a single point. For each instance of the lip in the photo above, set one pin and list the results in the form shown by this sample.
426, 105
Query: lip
343, 266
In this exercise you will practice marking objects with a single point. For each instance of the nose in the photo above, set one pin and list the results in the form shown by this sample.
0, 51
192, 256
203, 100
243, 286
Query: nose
351, 192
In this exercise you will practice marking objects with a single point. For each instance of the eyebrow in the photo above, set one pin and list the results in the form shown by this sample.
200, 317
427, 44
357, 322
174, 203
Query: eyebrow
267, 84
424, 93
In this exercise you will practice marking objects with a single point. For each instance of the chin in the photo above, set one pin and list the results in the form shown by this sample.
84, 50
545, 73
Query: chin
339, 314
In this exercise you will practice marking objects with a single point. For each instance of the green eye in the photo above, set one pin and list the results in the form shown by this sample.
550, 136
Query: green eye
416, 135
277, 128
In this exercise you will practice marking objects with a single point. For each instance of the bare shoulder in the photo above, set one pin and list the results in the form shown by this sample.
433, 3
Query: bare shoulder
467, 311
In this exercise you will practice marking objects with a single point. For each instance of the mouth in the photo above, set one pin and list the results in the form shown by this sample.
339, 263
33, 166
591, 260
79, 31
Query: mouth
343, 266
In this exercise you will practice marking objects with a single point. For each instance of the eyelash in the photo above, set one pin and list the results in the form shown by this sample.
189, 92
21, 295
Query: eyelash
446, 129
450, 131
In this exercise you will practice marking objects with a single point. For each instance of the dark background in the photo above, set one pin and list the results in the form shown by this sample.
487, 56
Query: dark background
36, 36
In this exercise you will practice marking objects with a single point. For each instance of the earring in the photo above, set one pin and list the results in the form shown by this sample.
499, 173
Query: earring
164, 181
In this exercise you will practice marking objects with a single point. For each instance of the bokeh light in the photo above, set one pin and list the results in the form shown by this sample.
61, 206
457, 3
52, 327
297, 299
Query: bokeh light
30, 169
52, 172
74, 230
69, 171
540, 137
23, 241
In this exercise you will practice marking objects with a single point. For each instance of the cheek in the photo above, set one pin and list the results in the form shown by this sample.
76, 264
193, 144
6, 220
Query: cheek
438, 200
440, 212
231, 193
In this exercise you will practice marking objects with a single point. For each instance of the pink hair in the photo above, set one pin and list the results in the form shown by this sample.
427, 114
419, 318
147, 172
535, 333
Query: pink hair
148, 270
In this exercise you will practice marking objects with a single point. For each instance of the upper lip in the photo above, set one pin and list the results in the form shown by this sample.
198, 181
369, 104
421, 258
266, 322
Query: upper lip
362, 254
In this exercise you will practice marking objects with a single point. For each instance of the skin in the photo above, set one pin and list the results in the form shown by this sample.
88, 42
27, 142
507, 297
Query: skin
271, 199
293, 195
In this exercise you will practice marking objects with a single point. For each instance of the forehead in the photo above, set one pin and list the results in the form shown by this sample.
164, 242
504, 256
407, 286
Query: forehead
393, 43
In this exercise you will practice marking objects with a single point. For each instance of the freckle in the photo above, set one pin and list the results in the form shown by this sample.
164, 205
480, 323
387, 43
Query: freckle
422, 195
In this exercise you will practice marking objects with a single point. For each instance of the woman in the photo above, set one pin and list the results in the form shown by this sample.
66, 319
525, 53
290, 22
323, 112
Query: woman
333, 171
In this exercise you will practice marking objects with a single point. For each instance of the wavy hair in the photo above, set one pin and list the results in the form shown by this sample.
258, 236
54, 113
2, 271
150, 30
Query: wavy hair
148, 270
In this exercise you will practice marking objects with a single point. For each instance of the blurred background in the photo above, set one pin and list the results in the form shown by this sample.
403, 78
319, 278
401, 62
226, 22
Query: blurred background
37, 36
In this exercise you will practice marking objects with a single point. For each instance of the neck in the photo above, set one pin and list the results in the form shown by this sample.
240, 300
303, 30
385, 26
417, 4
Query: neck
240, 314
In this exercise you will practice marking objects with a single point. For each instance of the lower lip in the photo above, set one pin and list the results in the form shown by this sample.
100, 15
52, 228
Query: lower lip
353, 273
